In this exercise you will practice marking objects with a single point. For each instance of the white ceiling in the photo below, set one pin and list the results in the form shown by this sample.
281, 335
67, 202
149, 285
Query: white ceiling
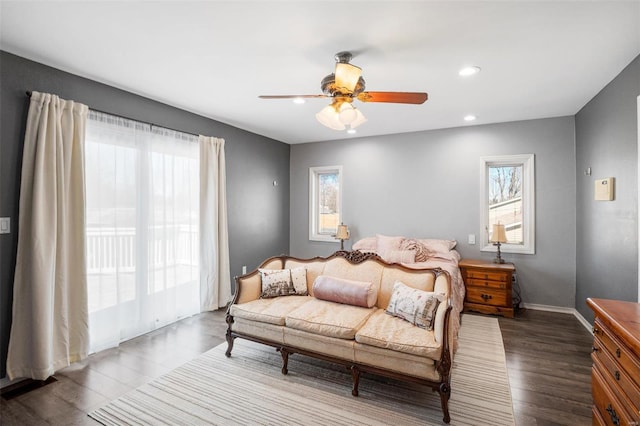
538, 59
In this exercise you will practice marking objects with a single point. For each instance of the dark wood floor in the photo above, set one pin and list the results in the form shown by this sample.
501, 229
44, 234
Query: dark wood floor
547, 356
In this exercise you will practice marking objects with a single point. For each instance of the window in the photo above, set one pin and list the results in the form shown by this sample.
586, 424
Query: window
507, 198
142, 229
325, 202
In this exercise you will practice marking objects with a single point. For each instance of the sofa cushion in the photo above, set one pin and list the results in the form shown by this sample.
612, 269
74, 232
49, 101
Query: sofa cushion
387, 332
350, 292
271, 311
413, 305
329, 318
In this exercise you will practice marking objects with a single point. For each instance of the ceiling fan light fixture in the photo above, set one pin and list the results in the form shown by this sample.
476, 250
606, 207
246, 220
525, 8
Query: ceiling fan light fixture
328, 117
347, 113
347, 76
360, 119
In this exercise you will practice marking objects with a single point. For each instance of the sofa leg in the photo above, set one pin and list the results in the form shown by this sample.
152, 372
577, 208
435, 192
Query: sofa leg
230, 340
355, 374
445, 393
285, 360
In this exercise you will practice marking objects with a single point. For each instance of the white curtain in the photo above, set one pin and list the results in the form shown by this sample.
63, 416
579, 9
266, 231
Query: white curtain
49, 328
215, 276
142, 227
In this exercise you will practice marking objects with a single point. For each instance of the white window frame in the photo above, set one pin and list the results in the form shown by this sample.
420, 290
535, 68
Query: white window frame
314, 208
527, 162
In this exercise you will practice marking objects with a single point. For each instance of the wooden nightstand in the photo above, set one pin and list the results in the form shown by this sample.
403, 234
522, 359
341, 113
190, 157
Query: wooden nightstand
488, 287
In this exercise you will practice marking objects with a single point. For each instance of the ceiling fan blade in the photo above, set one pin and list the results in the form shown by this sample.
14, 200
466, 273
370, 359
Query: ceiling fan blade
347, 76
291, 96
394, 97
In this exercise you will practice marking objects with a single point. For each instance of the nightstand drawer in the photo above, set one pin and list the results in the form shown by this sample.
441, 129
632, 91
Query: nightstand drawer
482, 275
486, 283
486, 296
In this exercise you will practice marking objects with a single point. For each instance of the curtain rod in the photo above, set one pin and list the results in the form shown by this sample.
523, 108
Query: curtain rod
128, 118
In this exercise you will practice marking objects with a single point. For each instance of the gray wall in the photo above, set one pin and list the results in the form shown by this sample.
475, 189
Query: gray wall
607, 231
426, 184
258, 211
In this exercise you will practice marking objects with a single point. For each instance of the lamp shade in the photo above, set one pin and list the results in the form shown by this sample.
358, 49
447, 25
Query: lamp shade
499, 234
342, 233
328, 116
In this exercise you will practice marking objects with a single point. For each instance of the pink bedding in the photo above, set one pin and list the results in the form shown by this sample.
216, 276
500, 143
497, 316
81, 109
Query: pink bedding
441, 254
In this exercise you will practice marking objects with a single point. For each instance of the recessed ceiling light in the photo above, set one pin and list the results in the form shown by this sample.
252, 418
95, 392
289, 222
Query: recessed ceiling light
468, 71
298, 100
351, 131
469, 117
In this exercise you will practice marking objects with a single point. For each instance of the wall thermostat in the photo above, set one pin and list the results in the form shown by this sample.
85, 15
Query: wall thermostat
604, 189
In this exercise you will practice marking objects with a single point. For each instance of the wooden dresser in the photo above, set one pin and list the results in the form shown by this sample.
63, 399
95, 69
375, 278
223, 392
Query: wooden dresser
488, 286
615, 375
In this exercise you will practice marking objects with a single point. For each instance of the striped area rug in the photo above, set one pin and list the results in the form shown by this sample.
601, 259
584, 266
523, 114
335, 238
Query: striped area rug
249, 389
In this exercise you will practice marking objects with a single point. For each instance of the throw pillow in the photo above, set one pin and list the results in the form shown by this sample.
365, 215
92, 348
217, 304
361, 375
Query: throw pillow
299, 278
422, 253
400, 256
340, 290
276, 282
413, 305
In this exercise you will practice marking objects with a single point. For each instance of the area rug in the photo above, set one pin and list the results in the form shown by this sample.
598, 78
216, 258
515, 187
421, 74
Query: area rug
249, 389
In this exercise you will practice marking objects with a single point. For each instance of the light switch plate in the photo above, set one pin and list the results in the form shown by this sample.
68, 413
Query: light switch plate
5, 225
472, 239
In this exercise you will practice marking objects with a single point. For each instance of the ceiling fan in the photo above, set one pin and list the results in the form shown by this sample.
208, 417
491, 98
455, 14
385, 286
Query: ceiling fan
343, 86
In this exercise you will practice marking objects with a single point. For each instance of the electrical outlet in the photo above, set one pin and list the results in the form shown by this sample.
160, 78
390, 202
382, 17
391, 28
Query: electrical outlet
244, 270
5, 225
472, 239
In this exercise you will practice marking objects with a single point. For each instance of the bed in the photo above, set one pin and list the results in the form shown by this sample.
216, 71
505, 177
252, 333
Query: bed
422, 253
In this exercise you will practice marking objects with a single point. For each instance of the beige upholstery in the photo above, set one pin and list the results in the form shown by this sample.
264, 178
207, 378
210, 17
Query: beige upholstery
400, 362
329, 318
339, 348
272, 332
385, 331
272, 311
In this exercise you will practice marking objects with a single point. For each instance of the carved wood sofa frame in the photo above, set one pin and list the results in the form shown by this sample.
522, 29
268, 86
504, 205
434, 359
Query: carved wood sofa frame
443, 365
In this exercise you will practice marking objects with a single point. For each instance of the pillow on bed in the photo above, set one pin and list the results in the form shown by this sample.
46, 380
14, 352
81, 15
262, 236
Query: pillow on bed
283, 282
365, 244
340, 290
413, 305
400, 256
421, 252
438, 246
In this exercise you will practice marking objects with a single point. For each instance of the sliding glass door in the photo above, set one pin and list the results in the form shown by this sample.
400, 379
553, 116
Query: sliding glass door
142, 227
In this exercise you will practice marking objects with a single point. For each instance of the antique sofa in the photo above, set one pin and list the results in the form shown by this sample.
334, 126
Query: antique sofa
343, 317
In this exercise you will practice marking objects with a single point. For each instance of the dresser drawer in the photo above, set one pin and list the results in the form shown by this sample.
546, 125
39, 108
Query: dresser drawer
486, 283
618, 351
598, 420
605, 401
487, 296
491, 276
607, 365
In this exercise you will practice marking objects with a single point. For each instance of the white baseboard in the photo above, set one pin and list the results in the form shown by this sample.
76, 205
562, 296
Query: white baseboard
562, 310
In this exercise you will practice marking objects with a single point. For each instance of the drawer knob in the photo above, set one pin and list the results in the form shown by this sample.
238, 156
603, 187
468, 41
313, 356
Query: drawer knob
594, 349
618, 352
617, 375
485, 297
614, 416
595, 330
